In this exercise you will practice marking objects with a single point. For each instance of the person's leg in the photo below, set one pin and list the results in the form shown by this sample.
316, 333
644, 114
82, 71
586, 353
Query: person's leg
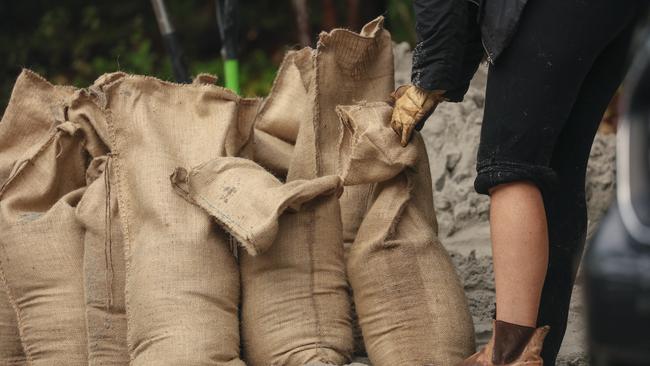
566, 207
530, 95
520, 250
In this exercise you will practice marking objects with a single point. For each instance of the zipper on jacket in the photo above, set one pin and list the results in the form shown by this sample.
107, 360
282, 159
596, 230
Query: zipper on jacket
487, 53
479, 3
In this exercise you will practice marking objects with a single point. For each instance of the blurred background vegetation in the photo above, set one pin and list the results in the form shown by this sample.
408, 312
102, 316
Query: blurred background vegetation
75, 41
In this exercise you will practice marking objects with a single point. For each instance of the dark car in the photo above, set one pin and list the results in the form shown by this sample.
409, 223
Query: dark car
617, 264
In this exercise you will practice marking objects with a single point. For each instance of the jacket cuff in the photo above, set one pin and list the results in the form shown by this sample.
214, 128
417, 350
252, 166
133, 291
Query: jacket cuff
430, 78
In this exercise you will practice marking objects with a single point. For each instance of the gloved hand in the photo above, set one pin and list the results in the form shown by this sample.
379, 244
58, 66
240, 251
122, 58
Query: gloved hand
412, 105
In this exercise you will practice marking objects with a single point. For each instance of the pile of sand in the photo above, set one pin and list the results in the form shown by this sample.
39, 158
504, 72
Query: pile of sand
452, 136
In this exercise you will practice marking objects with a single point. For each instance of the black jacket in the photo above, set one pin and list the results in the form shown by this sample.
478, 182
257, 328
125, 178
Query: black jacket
453, 36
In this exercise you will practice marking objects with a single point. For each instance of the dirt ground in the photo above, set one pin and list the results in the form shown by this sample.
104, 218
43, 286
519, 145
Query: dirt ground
452, 135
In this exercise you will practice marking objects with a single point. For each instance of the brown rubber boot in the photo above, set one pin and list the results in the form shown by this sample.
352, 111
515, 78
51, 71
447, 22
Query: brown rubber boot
511, 345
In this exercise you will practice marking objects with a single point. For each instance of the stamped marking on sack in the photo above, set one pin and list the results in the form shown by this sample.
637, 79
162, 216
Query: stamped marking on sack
228, 191
30, 216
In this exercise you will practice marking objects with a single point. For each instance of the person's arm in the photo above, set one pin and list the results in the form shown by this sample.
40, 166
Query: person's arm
447, 54
473, 53
440, 26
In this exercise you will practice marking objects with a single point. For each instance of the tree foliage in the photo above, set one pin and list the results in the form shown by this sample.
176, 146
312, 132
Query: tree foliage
75, 41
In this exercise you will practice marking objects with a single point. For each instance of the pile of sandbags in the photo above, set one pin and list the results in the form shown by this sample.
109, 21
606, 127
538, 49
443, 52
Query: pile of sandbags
102, 262
150, 223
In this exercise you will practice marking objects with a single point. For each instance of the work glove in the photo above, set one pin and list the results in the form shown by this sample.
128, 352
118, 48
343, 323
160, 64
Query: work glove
413, 106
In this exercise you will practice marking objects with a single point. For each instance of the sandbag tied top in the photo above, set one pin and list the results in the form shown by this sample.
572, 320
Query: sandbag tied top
350, 67
41, 245
369, 150
246, 199
182, 281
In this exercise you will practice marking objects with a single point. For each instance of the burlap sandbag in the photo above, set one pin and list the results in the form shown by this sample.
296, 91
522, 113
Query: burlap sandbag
41, 246
103, 267
350, 68
295, 307
18, 135
408, 297
182, 282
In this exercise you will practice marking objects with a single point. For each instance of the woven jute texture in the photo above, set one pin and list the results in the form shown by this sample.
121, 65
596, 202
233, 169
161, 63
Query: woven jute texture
246, 200
11, 350
408, 297
289, 103
295, 305
103, 267
41, 246
18, 134
182, 281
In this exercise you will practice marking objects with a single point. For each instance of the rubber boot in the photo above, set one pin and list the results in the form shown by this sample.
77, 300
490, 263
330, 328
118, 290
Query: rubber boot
511, 345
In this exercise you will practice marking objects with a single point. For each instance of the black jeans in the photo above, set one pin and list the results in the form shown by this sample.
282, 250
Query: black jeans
545, 97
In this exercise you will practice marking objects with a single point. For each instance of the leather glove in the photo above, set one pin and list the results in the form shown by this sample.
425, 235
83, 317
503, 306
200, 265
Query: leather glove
412, 106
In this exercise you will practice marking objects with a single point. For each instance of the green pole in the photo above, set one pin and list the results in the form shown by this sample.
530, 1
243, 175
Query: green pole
231, 70
227, 19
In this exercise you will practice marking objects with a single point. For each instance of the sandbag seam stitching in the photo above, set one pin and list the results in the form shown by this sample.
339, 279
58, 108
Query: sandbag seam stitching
124, 211
312, 215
